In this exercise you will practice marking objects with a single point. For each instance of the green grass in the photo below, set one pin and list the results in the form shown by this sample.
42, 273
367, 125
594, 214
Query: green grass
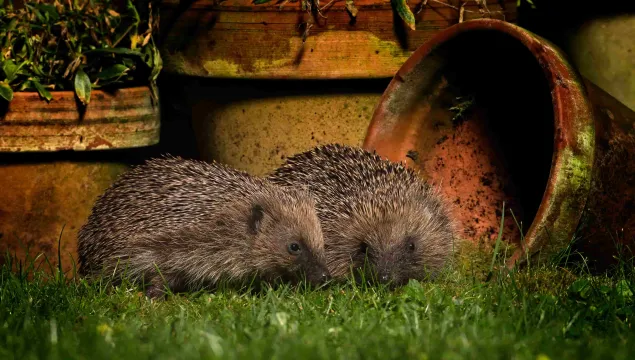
538, 313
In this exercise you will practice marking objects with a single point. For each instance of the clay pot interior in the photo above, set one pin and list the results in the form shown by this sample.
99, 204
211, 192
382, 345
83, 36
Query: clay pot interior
497, 150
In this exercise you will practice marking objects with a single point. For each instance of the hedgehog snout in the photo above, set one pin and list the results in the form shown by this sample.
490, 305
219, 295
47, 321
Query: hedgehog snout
383, 272
317, 273
324, 276
384, 278
320, 276
386, 267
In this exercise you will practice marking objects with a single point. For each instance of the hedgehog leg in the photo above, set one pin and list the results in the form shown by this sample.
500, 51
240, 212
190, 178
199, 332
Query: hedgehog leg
157, 287
158, 283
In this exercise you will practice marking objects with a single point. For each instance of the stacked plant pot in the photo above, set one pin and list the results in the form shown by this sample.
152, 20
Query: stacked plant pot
61, 148
262, 82
55, 159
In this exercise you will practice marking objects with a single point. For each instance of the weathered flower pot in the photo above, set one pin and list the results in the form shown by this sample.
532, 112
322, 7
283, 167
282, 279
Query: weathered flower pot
46, 189
556, 149
264, 108
237, 39
123, 119
254, 126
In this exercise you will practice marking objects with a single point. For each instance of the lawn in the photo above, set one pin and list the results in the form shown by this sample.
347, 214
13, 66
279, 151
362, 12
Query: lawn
537, 313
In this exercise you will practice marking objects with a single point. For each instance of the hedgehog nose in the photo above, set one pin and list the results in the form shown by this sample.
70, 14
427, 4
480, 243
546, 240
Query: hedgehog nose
384, 277
325, 277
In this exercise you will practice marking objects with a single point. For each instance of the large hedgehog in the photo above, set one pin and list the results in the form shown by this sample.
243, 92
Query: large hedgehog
373, 212
198, 223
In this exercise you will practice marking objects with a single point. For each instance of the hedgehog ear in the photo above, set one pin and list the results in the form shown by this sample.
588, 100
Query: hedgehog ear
255, 218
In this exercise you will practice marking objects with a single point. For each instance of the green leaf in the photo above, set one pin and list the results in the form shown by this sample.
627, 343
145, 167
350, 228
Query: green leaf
5, 91
401, 7
36, 12
10, 70
42, 90
82, 86
128, 62
27, 85
623, 288
581, 287
133, 9
530, 2
114, 71
12, 25
258, 2
37, 69
50, 11
157, 64
147, 56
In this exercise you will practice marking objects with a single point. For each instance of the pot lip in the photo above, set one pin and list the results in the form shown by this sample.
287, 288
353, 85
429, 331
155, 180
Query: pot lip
571, 114
26, 94
119, 119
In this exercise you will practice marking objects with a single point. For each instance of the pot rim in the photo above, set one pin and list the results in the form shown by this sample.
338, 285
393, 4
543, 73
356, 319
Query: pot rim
566, 192
93, 91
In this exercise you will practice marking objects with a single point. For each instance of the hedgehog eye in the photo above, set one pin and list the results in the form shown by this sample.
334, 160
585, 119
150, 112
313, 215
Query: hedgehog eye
294, 248
363, 247
411, 243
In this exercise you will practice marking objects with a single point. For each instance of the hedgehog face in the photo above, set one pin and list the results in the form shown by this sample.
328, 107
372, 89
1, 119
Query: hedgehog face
392, 245
406, 258
288, 242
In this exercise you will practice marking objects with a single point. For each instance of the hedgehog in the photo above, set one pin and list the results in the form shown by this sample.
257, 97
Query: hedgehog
378, 217
189, 224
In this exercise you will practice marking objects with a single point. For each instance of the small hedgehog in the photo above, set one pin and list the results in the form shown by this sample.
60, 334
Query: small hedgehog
373, 210
199, 223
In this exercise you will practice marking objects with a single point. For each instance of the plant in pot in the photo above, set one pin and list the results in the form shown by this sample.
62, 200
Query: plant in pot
74, 76
58, 55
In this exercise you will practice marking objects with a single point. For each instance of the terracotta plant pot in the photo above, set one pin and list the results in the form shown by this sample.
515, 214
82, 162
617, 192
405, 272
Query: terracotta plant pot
46, 189
238, 39
255, 126
556, 149
125, 118
246, 89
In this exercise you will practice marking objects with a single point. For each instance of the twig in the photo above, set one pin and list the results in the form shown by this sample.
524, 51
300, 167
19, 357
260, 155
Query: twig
327, 5
467, 11
317, 8
283, 4
446, 4
305, 34
482, 4
421, 6
456, 7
